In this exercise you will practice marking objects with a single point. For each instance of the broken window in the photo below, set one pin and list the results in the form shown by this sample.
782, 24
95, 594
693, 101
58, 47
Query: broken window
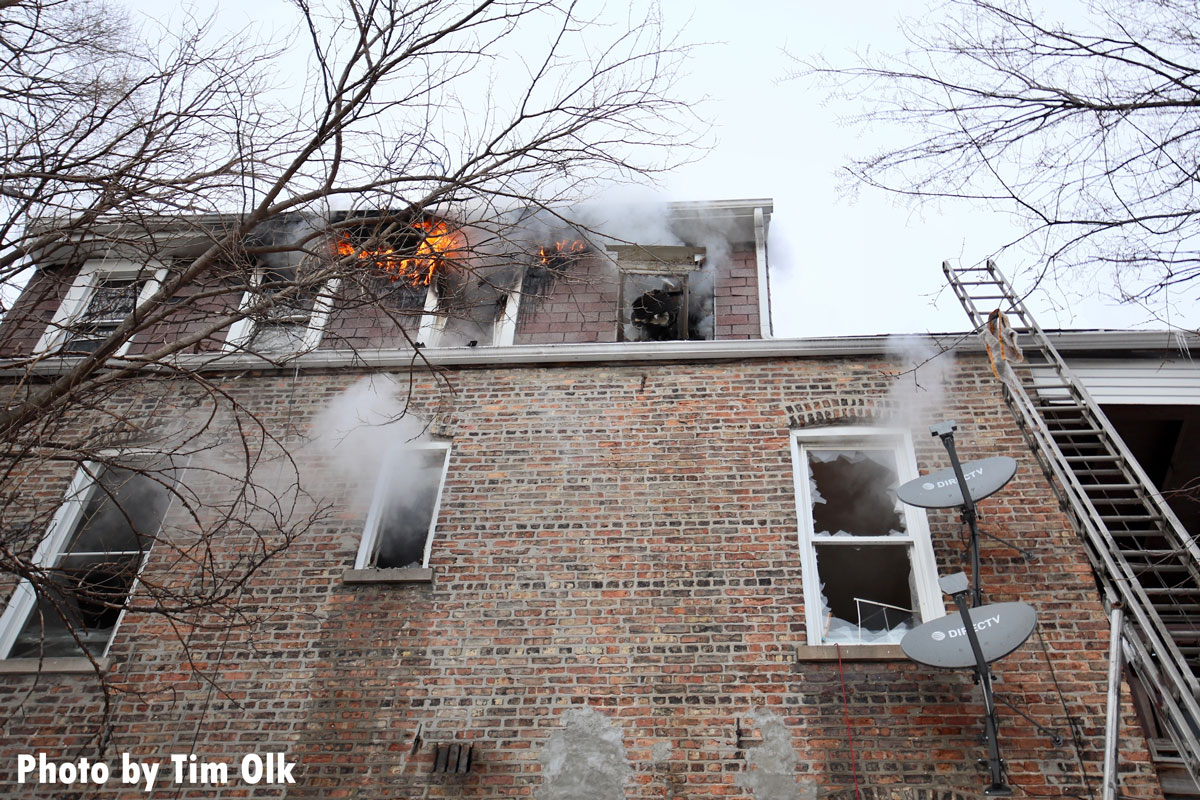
92, 556
286, 313
404, 509
869, 573
659, 299
102, 297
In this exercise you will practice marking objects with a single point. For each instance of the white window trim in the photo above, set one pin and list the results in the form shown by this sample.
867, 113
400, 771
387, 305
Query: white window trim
64, 522
81, 291
432, 323
505, 332
924, 565
366, 547
242, 331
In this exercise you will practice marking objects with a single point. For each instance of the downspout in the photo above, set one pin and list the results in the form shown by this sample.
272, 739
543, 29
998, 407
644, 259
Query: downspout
764, 280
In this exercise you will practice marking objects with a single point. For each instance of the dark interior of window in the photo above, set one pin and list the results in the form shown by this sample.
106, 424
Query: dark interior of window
91, 578
407, 515
1166, 442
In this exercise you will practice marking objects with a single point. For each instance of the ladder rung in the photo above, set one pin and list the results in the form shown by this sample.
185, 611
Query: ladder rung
1106, 457
1109, 487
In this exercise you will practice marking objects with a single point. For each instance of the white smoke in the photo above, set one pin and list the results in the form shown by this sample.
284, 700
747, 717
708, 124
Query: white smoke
922, 375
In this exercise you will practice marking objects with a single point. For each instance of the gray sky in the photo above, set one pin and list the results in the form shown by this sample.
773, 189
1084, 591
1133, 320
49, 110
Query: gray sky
840, 265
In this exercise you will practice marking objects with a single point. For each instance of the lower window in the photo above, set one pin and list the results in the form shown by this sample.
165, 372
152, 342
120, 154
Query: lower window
404, 509
869, 571
91, 556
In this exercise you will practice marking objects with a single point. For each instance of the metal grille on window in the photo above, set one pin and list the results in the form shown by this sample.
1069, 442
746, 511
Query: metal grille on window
113, 300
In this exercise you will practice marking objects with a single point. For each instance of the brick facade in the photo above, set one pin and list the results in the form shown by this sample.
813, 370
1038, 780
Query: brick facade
619, 538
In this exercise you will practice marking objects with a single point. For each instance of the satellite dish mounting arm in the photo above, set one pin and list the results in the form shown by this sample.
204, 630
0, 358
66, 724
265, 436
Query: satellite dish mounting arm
945, 431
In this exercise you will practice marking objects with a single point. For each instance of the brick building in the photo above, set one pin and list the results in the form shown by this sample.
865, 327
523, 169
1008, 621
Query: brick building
612, 541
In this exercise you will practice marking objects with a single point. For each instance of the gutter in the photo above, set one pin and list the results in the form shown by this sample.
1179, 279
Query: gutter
1146, 343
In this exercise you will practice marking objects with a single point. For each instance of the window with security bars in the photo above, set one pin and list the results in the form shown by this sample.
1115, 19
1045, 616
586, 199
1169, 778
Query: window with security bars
112, 301
91, 557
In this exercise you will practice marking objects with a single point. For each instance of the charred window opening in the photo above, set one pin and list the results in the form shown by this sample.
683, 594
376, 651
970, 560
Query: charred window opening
656, 298
869, 571
92, 571
113, 300
404, 509
413, 255
554, 261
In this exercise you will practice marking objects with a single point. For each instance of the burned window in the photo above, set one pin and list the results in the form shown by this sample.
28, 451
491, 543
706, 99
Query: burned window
95, 551
404, 509
665, 294
868, 562
103, 295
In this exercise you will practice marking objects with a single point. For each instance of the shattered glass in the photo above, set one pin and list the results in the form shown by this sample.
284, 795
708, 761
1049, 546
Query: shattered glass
853, 493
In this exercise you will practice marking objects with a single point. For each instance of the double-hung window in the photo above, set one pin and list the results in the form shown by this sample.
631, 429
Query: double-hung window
869, 570
283, 316
404, 509
102, 296
90, 559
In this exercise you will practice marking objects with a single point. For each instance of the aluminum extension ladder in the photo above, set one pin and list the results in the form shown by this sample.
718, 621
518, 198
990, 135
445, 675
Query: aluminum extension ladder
1139, 551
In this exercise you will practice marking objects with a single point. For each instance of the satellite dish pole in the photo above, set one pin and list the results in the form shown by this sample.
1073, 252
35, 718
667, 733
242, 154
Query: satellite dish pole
945, 431
956, 586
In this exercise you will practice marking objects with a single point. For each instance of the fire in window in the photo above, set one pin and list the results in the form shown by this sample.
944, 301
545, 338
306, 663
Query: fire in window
404, 509
101, 537
868, 561
658, 298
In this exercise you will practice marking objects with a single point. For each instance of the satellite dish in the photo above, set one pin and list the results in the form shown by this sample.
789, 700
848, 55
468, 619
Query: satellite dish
1000, 627
940, 489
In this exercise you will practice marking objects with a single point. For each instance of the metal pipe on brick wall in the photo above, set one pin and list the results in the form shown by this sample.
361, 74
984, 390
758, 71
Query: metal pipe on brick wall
1112, 722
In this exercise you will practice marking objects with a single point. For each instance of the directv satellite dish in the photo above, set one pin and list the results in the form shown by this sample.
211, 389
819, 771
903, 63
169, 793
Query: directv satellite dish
1000, 627
940, 489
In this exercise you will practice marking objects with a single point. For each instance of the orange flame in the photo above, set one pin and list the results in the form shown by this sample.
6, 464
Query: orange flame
438, 244
563, 250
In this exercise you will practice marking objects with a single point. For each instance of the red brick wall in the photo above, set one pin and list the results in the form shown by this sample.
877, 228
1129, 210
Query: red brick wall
621, 538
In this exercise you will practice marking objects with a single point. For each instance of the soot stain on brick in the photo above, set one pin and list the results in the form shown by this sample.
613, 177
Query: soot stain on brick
771, 773
585, 759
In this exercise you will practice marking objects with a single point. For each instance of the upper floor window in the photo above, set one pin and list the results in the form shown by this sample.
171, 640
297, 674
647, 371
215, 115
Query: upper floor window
92, 554
404, 509
869, 570
102, 296
664, 294
283, 314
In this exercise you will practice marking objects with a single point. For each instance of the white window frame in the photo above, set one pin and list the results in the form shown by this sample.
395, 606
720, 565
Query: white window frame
432, 324
921, 558
505, 332
370, 537
64, 523
79, 295
241, 333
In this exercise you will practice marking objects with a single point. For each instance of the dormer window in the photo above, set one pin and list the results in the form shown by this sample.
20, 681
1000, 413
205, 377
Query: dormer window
657, 301
100, 299
283, 315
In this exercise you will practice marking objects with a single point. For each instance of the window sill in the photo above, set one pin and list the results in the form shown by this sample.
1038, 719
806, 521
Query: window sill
399, 575
51, 666
850, 652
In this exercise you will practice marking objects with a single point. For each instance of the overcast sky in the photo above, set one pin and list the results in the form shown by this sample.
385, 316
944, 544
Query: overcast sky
840, 265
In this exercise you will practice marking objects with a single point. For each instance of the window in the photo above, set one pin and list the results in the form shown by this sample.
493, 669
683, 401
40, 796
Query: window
92, 553
289, 324
404, 509
869, 571
660, 297
102, 296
